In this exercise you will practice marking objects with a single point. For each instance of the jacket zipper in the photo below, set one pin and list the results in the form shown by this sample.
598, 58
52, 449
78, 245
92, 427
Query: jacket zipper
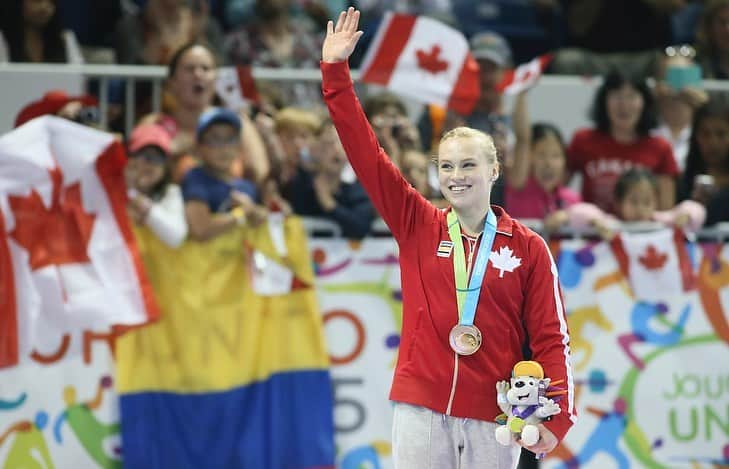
472, 248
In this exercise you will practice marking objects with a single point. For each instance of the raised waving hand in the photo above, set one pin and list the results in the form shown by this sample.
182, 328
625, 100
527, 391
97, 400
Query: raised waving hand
342, 38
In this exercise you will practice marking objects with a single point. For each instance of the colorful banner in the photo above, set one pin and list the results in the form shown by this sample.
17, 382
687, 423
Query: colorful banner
653, 377
60, 410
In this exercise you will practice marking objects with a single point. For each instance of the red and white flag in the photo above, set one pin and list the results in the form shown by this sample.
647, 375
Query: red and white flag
524, 76
654, 263
68, 258
236, 87
423, 59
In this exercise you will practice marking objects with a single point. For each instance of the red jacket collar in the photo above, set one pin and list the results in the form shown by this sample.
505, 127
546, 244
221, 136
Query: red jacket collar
504, 223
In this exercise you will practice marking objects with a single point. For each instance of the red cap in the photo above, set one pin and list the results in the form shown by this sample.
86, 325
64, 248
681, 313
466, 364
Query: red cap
146, 135
51, 103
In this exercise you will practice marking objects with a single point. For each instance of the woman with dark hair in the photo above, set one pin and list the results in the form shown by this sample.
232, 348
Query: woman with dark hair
30, 31
190, 90
623, 113
706, 179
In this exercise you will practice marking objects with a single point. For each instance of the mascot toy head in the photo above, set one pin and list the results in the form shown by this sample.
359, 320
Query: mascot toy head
528, 384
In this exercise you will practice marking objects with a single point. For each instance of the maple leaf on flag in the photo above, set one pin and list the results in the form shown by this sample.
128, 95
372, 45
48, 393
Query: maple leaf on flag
504, 260
652, 259
430, 62
56, 235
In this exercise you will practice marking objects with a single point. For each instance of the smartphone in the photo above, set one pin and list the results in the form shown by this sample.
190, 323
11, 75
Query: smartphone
679, 77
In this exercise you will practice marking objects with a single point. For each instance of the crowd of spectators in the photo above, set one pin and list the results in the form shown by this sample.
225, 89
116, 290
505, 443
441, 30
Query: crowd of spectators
667, 142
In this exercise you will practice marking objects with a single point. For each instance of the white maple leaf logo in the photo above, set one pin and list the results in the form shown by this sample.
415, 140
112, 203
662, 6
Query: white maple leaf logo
504, 260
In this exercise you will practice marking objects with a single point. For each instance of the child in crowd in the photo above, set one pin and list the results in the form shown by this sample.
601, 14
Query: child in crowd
215, 200
415, 167
636, 200
153, 200
535, 181
296, 130
320, 191
389, 118
706, 179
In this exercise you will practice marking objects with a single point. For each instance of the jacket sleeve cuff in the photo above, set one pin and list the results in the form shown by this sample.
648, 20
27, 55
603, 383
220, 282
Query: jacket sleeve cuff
559, 425
335, 76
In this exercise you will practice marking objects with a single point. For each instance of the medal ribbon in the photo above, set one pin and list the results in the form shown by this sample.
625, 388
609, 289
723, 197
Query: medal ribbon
467, 293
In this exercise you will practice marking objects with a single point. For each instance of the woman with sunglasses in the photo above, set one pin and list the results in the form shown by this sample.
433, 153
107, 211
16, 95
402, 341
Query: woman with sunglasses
154, 201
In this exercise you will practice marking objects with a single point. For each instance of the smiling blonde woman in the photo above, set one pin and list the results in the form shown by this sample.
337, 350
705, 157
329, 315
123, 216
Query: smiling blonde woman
477, 287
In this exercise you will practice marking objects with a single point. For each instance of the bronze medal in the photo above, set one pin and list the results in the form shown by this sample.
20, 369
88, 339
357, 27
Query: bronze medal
465, 340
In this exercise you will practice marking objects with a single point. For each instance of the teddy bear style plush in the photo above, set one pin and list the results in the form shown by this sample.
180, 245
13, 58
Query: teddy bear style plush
525, 403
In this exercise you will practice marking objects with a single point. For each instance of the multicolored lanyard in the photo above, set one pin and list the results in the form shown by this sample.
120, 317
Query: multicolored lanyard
467, 293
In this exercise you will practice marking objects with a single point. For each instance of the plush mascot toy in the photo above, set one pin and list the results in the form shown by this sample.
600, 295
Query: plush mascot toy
525, 402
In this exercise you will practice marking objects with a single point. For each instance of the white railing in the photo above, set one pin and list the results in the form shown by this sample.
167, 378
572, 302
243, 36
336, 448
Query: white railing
563, 100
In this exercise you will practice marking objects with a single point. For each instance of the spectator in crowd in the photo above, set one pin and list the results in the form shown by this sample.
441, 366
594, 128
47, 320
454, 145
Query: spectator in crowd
277, 39
677, 100
296, 131
82, 109
607, 34
532, 27
535, 182
30, 31
706, 178
216, 201
712, 40
93, 22
152, 34
636, 196
320, 191
155, 32
389, 119
416, 169
154, 201
623, 115
190, 85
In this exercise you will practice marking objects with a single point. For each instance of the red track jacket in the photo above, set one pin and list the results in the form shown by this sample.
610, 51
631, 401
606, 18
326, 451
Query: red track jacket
515, 306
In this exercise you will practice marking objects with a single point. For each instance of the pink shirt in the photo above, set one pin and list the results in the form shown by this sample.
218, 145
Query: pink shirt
532, 201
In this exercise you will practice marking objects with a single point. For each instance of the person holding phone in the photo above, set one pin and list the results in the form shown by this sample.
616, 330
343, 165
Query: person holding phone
476, 284
678, 95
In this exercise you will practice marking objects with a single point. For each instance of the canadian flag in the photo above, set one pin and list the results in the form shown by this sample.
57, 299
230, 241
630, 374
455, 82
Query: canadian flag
654, 263
423, 59
236, 87
524, 76
68, 259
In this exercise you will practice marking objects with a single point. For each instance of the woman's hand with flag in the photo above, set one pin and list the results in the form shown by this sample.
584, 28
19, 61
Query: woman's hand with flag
341, 39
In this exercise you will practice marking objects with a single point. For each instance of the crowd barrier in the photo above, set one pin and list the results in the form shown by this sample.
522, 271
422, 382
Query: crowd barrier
652, 382
562, 100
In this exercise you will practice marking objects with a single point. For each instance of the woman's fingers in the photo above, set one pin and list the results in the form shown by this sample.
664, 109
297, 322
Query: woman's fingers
330, 28
340, 22
348, 20
353, 40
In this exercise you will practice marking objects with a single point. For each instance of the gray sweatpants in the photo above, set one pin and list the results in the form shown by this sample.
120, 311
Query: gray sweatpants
423, 439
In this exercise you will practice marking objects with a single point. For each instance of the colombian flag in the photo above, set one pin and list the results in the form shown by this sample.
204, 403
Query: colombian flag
227, 378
